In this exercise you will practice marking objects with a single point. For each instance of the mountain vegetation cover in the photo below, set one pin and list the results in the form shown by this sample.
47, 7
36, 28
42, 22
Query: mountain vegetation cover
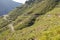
35, 20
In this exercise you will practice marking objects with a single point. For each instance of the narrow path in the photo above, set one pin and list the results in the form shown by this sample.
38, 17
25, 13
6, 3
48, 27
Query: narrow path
10, 26
5, 17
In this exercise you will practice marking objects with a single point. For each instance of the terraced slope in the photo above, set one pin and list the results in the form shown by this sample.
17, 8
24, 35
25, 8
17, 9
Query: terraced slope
35, 20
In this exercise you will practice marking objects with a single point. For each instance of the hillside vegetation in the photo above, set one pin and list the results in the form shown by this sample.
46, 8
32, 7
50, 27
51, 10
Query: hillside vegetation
35, 20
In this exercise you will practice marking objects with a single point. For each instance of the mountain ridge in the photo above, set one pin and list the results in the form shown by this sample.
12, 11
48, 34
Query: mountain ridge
7, 5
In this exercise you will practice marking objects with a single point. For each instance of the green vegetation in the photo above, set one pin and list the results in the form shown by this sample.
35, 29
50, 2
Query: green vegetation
35, 20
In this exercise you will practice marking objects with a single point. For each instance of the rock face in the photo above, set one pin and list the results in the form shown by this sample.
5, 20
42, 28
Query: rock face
7, 5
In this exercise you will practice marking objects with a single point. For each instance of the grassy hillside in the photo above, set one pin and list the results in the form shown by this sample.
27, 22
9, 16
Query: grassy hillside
35, 20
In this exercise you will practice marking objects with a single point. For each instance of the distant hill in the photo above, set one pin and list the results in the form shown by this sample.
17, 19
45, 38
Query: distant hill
7, 5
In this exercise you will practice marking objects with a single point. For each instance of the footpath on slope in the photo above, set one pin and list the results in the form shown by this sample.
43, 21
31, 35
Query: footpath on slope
10, 26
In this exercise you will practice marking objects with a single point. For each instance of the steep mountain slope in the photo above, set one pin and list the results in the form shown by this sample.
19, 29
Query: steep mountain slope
35, 20
7, 5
